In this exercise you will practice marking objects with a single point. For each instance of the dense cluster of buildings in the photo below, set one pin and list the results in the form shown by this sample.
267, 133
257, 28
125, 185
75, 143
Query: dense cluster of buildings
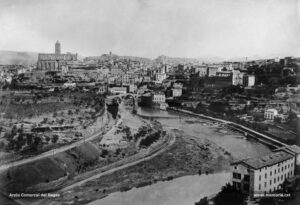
261, 90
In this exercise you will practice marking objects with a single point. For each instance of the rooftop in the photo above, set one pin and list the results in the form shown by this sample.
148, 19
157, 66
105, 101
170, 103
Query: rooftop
267, 160
294, 149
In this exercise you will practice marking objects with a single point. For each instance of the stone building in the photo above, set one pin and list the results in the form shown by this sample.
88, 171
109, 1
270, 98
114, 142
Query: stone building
55, 61
261, 175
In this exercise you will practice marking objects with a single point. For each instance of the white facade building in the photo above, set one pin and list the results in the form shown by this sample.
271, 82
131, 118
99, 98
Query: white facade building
270, 114
262, 175
159, 77
69, 85
159, 98
248, 80
237, 77
118, 90
176, 92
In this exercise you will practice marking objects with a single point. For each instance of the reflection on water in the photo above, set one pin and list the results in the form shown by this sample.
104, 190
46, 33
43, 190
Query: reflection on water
180, 191
233, 142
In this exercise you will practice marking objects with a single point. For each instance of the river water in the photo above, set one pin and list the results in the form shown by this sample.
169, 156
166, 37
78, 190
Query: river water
187, 189
180, 191
234, 143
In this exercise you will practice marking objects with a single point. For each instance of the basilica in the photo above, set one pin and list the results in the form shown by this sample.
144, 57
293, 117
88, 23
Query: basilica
55, 61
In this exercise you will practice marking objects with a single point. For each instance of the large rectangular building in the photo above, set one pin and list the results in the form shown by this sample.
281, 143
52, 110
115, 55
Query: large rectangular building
55, 61
263, 174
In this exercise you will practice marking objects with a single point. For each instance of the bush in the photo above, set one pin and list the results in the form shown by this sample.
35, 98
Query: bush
229, 195
54, 138
148, 140
202, 201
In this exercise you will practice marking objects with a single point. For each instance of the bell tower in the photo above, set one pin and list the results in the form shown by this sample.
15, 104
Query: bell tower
57, 47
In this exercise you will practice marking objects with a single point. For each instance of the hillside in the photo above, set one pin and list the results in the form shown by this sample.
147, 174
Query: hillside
178, 60
19, 58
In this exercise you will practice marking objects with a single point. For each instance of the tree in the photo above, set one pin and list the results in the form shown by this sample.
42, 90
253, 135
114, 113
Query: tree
54, 138
229, 195
202, 201
277, 119
104, 153
47, 138
29, 138
292, 116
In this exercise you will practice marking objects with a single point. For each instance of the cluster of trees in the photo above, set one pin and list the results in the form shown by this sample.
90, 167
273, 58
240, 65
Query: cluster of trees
113, 108
149, 139
20, 141
17, 141
229, 195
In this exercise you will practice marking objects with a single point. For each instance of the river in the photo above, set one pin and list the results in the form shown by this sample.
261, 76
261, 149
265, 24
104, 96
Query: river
180, 191
187, 189
235, 143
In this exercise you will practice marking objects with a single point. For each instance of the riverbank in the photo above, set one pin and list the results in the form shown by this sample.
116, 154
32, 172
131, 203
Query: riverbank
250, 132
180, 191
187, 156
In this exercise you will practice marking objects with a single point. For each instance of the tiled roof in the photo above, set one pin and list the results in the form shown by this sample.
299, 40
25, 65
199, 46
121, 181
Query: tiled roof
268, 160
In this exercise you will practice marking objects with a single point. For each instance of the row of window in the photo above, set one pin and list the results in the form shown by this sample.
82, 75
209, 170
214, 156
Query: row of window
287, 166
236, 175
287, 175
274, 188
275, 172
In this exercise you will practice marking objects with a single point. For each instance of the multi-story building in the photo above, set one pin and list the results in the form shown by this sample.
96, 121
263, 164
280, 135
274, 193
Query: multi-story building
159, 97
201, 70
55, 61
263, 174
212, 71
248, 80
102, 89
159, 77
237, 77
270, 114
118, 90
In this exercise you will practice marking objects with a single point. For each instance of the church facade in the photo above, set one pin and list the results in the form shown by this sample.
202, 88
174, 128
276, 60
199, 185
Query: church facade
55, 61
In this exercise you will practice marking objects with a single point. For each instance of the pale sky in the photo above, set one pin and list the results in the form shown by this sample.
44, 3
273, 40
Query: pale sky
149, 28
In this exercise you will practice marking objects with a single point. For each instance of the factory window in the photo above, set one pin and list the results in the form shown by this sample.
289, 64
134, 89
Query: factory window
270, 173
265, 184
259, 187
274, 180
236, 175
270, 182
275, 171
266, 175
259, 177
247, 178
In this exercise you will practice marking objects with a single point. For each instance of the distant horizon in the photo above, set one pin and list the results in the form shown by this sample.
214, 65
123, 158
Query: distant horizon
217, 58
185, 28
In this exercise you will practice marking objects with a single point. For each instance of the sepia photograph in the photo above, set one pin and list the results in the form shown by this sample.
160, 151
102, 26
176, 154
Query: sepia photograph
149, 102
